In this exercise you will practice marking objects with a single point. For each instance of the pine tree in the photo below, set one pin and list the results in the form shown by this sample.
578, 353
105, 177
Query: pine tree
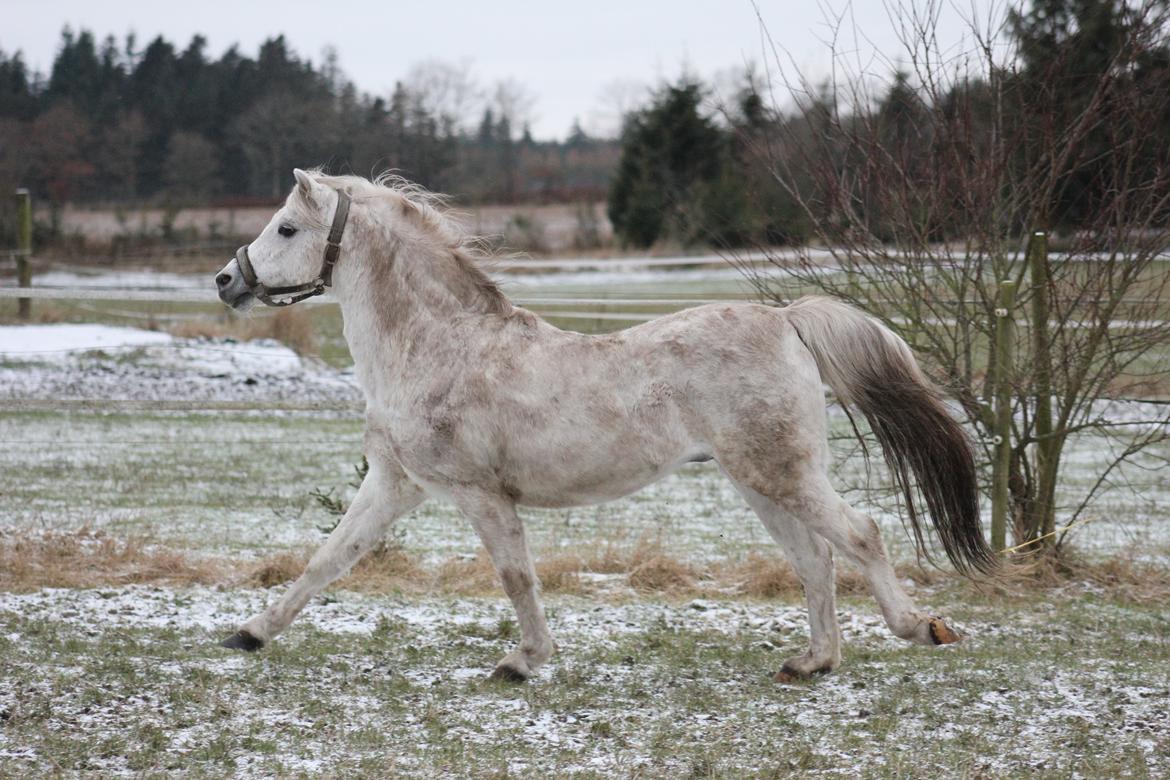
17, 100
670, 152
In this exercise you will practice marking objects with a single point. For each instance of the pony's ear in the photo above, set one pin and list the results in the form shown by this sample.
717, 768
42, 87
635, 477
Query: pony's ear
305, 184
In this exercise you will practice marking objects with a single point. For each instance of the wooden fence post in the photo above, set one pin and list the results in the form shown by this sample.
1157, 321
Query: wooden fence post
23, 249
1005, 335
1042, 370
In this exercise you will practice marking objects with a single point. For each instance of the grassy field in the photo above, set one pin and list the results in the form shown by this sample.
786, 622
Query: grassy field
663, 668
126, 681
131, 541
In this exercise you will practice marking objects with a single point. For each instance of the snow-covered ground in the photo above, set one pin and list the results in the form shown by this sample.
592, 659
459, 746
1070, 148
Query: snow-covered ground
125, 279
103, 362
519, 278
119, 680
122, 681
48, 342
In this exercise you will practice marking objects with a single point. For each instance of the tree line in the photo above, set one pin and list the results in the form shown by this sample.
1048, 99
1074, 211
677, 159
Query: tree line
119, 122
1088, 78
116, 122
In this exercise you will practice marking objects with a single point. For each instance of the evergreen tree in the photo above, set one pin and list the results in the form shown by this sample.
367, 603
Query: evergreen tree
17, 100
119, 120
1066, 48
671, 151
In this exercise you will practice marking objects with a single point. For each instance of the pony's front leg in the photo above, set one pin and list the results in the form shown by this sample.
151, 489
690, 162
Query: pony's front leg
502, 533
385, 495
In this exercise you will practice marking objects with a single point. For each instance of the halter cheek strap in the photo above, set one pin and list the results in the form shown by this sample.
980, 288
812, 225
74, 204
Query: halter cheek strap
299, 292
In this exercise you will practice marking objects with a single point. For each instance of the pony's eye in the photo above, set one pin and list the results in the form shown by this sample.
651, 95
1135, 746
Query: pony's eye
286, 230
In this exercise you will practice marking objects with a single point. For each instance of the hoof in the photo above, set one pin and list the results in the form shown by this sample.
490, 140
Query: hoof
786, 677
242, 640
803, 668
509, 673
790, 674
941, 633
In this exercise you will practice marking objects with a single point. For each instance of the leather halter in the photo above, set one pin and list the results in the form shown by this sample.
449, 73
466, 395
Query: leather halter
300, 292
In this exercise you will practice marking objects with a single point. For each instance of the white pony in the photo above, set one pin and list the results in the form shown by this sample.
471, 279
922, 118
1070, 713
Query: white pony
481, 403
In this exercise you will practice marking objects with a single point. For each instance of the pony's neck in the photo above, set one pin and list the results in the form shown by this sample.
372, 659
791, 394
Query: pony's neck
399, 290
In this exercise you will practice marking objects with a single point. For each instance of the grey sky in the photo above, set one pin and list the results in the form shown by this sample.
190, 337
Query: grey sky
578, 59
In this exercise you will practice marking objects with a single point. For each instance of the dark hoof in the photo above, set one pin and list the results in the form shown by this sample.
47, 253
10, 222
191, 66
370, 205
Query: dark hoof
242, 640
789, 673
509, 674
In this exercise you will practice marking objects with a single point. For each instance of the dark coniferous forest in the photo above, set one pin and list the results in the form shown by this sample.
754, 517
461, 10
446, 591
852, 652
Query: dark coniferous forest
122, 121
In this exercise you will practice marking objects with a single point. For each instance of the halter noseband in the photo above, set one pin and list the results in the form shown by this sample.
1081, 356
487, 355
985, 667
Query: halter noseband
307, 290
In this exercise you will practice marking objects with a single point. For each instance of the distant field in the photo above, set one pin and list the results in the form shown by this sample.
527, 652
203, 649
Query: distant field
539, 228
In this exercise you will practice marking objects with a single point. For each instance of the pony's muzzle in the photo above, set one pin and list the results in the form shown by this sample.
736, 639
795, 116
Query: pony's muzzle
233, 290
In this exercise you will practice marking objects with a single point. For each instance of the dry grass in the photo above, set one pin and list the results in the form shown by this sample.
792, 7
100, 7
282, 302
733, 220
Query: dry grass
763, 577
89, 559
650, 569
276, 570
386, 569
1121, 576
291, 327
463, 575
562, 574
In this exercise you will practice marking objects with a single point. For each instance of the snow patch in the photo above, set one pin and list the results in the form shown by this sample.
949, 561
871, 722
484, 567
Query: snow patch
42, 342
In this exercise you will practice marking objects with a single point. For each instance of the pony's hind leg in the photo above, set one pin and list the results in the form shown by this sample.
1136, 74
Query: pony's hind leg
812, 559
802, 491
856, 536
385, 495
499, 527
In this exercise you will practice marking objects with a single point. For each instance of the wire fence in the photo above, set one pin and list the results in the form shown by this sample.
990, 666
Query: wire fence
209, 297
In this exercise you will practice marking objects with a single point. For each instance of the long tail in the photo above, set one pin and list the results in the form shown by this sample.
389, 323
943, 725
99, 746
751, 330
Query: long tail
870, 368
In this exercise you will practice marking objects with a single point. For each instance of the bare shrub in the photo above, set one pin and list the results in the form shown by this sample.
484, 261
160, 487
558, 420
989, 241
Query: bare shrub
924, 188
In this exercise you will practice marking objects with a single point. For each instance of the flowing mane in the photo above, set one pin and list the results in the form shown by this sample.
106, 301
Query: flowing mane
428, 211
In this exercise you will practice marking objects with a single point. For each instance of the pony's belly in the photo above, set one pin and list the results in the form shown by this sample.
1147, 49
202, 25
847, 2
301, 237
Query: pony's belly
592, 486
581, 495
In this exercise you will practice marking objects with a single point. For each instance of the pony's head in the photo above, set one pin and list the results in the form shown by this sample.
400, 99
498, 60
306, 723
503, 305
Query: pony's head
293, 256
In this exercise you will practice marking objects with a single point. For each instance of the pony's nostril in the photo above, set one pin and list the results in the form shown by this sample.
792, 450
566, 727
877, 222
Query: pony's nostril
223, 280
